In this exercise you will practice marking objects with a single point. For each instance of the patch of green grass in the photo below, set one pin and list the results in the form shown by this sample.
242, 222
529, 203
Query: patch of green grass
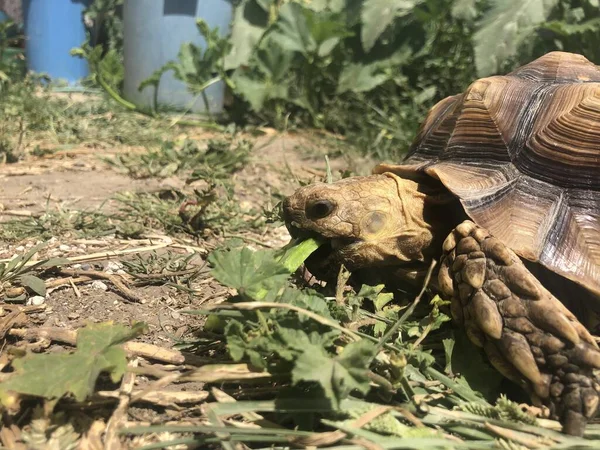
59, 222
215, 159
35, 119
175, 212
168, 268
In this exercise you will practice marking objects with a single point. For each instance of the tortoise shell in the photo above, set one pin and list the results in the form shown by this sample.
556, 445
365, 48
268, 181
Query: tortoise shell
522, 154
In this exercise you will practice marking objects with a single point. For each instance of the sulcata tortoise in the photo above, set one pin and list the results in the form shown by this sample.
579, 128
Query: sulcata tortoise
502, 186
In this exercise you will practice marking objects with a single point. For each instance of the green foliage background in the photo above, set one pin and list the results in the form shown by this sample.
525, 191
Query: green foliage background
368, 69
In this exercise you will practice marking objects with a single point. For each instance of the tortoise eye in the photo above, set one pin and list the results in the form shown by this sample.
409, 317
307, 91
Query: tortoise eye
319, 209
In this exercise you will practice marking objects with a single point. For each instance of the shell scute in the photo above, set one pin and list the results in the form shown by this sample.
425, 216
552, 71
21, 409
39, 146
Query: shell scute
522, 154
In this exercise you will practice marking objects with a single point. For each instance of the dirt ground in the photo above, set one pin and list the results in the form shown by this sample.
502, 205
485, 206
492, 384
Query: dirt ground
81, 180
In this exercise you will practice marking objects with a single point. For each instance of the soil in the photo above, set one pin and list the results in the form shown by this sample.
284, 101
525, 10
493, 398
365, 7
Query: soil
81, 180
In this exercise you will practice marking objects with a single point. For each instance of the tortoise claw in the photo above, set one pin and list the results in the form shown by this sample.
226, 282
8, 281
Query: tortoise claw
528, 334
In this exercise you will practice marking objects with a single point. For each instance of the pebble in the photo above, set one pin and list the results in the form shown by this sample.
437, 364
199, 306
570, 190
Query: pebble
114, 266
97, 284
64, 248
20, 248
36, 300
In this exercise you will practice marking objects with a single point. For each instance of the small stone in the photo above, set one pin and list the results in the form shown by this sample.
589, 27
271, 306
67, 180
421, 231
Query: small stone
86, 267
114, 266
36, 300
176, 315
97, 284
20, 248
73, 316
64, 248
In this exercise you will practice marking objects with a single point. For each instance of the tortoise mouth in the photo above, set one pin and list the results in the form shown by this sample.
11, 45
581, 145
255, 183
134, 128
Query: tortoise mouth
324, 263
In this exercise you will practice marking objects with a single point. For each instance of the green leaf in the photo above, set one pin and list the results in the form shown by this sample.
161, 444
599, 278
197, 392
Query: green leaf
294, 256
363, 77
54, 375
475, 371
337, 376
249, 23
254, 274
306, 300
36, 284
504, 27
359, 77
425, 95
377, 15
327, 30
55, 262
269, 80
291, 30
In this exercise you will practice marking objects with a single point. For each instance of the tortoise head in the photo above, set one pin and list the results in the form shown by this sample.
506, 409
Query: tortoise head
367, 222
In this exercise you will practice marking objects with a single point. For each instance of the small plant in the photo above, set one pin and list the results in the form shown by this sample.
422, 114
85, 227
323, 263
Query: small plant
163, 269
18, 273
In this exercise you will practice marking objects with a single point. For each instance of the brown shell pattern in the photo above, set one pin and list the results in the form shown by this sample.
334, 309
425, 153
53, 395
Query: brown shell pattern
522, 153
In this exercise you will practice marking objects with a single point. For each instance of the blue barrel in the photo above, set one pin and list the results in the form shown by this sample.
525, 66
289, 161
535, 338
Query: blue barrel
153, 33
52, 29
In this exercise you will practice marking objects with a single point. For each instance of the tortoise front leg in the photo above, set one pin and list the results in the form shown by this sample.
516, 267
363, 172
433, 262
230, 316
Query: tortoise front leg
528, 334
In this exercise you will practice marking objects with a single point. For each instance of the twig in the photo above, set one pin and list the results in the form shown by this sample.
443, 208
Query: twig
10, 212
141, 349
514, 436
112, 439
386, 337
12, 292
114, 279
160, 397
247, 239
106, 254
75, 289
424, 334
159, 276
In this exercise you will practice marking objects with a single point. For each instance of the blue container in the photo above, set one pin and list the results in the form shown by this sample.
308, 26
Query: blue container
154, 31
52, 29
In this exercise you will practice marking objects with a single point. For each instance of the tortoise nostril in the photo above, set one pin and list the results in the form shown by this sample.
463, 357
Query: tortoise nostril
319, 209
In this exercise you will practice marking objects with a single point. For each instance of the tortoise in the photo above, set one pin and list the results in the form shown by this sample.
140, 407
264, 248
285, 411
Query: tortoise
501, 186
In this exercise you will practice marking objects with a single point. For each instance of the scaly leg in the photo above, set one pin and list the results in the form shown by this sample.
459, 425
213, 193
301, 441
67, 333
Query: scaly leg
528, 334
